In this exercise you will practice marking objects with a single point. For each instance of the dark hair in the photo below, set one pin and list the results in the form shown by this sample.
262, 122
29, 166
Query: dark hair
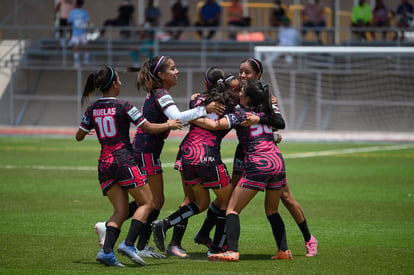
101, 80
259, 96
212, 76
255, 64
217, 90
147, 74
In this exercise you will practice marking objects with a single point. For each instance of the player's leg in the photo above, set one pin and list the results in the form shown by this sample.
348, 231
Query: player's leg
174, 247
219, 240
119, 200
143, 196
201, 202
156, 184
272, 199
239, 199
296, 212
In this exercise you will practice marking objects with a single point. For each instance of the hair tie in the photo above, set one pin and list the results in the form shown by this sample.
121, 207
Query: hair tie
110, 79
157, 65
220, 81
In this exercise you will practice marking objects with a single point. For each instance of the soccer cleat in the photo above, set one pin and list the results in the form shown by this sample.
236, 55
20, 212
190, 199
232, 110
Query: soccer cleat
212, 251
178, 251
228, 256
100, 229
283, 255
311, 247
108, 259
131, 252
159, 229
202, 240
148, 252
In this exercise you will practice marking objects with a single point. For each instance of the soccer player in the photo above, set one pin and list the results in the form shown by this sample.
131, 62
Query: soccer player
118, 172
264, 169
156, 77
199, 157
252, 68
202, 167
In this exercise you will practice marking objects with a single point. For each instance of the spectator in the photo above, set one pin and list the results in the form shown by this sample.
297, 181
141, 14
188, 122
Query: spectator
287, 36
361, 18
64, 7
179, 13
210, 15
125, 14
152, 14
79, 20
404, 17
313, 17
381, 17
277, 14
235, 17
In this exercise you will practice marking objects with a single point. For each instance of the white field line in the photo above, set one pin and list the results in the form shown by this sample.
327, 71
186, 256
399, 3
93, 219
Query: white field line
230, 160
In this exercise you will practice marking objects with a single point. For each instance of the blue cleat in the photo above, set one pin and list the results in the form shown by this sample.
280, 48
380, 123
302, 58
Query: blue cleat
108, 259
131, 252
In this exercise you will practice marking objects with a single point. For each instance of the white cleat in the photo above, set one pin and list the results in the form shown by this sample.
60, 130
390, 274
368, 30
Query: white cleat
148, 252
100, 229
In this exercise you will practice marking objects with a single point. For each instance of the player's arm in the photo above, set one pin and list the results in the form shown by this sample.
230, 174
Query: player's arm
81, 134
157, 128
212, 125
276, 121
174, 113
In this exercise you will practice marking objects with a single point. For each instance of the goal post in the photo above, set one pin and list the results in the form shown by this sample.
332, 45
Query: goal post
342, 88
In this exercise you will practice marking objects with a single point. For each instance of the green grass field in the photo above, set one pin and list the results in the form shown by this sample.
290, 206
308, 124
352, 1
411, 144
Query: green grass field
358, 199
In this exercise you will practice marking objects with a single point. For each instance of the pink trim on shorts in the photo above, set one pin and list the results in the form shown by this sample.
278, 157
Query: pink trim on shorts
137, 179
223, 179
148, 167
261, 186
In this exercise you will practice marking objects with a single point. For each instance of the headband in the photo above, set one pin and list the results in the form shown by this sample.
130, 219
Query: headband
110, 79
206, 77
257, 64
157, 65
229, 78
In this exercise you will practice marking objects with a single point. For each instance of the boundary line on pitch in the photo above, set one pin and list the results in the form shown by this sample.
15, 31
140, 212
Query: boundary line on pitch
230, 160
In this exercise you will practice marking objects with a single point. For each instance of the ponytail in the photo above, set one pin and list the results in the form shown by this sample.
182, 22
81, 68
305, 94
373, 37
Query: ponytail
147, 74
101, 80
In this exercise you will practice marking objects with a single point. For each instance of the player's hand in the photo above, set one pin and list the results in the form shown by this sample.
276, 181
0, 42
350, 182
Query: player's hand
175, 124
251, 119
277, 137
193, 96
92, 132
215, 107
274, 100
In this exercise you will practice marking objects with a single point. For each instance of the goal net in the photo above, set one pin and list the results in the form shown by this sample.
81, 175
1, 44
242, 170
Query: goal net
342, 88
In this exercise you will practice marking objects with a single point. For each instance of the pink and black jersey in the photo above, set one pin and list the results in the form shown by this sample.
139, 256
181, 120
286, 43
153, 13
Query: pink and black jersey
201, 146
261, 153
111, 119
153, 109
